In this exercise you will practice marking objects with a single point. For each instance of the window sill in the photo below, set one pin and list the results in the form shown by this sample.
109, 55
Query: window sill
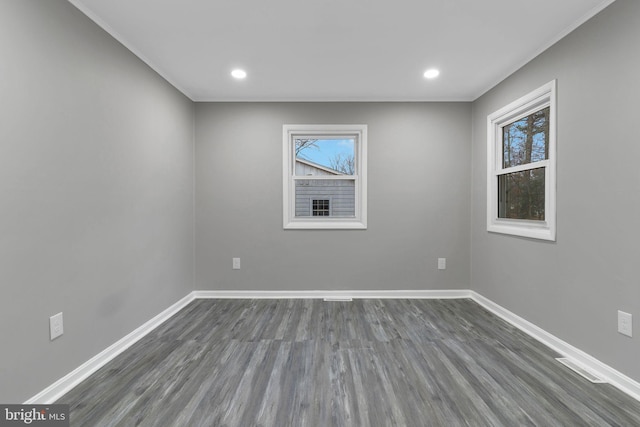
325, 224
532, 230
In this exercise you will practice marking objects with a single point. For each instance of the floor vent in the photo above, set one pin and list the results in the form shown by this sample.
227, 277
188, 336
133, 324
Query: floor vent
345, 299
580, 370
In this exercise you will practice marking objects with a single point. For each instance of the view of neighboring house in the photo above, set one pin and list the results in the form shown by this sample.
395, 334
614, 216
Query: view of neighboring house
323, 197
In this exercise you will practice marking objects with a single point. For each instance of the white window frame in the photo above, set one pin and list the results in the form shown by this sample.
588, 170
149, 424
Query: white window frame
540, 98
290, 133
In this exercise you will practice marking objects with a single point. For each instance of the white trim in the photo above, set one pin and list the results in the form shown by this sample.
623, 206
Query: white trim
371, 294
590, 363
82, 7
325, 177
307, 99
73, 378
100, 22
521, 168
289, 219
65, 384
544, 96
326, 223
544, 47
580, 370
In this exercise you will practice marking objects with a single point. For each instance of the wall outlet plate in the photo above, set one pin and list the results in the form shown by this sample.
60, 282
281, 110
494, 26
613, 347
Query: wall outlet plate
442, 263
56, 327
236, 263
625, 323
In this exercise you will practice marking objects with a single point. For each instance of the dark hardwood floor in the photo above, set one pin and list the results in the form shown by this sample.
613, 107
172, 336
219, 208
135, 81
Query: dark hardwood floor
361, 363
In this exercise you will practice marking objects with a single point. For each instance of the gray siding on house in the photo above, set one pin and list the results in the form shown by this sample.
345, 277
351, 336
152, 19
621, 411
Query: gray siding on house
305, 169
341, 194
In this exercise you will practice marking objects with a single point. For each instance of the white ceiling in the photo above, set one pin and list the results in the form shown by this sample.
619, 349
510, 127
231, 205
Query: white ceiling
337, 50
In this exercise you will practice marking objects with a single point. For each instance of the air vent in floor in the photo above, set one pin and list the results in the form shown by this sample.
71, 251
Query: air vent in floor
580, 370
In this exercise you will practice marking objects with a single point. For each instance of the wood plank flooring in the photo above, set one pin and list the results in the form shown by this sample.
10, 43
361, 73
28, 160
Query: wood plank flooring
361, 363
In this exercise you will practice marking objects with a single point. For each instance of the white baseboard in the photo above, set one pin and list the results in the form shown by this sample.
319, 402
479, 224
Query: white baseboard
405, 294
69, 381
65, 384
606, 372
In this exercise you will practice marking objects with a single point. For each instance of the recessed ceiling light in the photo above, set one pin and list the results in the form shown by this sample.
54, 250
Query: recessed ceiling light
431, 73
238, 74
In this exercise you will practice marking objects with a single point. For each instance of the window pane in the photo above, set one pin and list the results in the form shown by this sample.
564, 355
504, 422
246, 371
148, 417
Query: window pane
325, 156
527, 140
521, 195
320, 207
324, 197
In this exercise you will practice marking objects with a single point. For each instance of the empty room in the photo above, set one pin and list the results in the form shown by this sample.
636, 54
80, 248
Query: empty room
319, 213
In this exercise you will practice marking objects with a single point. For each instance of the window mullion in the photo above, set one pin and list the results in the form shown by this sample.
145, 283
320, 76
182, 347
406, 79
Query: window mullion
521, 168
324, 177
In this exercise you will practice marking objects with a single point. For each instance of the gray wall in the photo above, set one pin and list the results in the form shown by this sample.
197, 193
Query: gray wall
97, 196
419, 193
574, 287
96, 192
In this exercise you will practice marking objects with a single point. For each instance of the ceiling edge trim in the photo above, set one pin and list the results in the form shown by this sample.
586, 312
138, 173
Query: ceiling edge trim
102, 24
584, 18
329, 100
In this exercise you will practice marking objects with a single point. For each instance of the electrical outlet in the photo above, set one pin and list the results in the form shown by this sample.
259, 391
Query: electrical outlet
442, 263
55, 326
236, 263
625, 323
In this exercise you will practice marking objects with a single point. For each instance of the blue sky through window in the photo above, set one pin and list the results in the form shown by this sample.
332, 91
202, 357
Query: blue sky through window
323, 151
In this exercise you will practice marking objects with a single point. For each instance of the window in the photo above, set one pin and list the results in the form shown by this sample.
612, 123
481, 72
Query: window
321, 207
325, 176
521, 166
